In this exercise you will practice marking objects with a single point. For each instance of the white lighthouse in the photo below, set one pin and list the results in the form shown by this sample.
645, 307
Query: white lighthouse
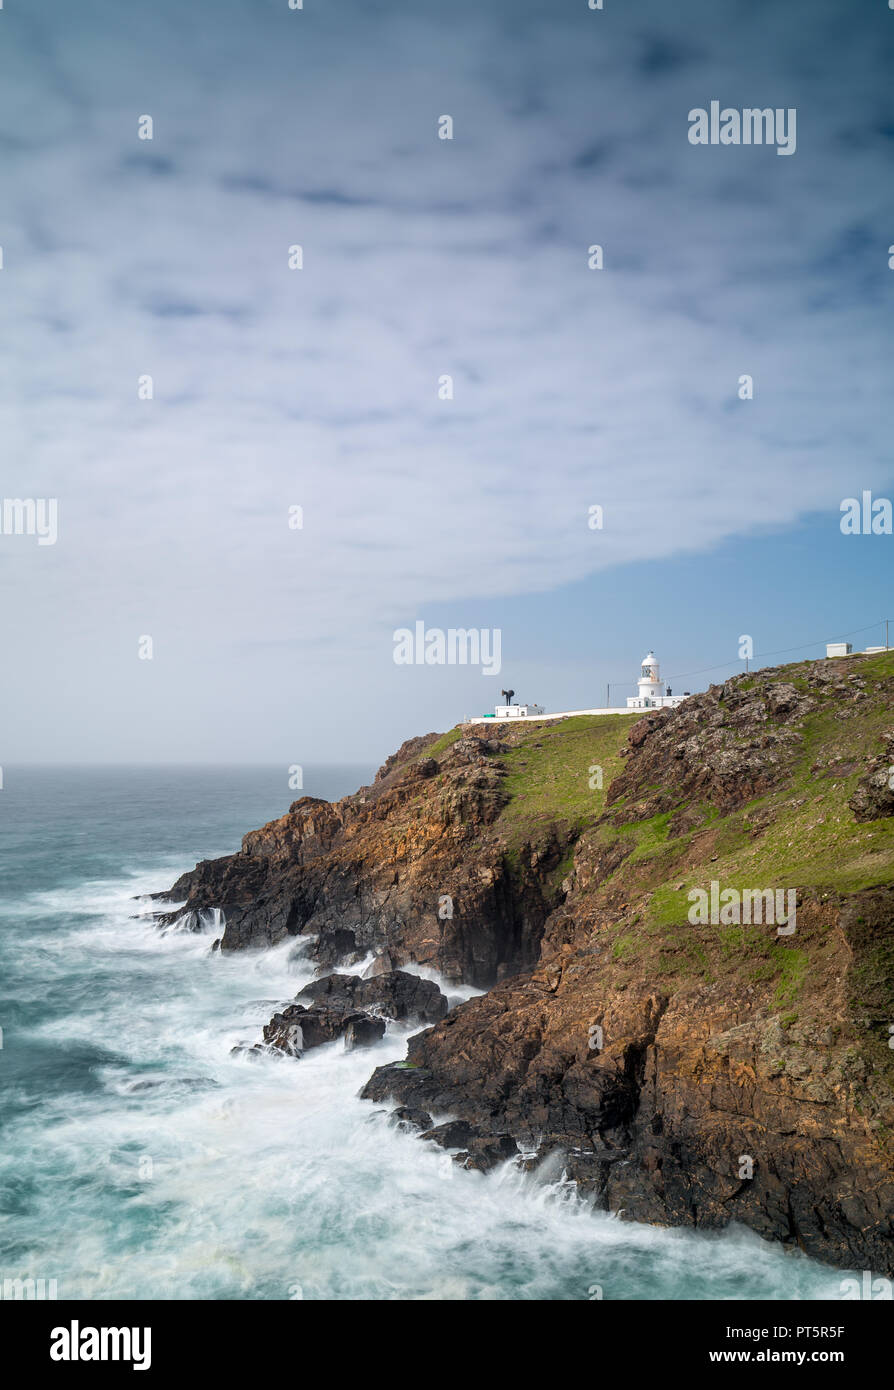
652, 694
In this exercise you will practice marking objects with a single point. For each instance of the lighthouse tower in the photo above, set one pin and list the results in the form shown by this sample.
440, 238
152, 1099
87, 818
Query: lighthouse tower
651, 688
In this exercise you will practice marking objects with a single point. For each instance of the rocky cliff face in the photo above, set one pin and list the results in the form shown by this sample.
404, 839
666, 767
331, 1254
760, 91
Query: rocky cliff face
682, 1068
412, 865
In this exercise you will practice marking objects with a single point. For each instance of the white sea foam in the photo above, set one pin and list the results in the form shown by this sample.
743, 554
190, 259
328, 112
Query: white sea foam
177, 1168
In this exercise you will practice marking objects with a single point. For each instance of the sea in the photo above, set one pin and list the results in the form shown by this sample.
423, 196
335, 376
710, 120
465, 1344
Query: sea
146, 1154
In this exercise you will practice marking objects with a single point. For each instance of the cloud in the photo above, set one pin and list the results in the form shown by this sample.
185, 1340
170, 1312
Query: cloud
422, 258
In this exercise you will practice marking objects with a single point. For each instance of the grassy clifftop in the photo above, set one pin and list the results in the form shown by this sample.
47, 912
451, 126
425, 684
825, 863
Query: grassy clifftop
802, 829
813, 752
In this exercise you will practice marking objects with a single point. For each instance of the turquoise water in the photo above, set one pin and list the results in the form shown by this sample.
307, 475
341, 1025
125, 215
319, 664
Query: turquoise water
141, 1159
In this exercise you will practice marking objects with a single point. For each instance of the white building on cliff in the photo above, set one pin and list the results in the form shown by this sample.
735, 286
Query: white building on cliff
652, 694
511, 711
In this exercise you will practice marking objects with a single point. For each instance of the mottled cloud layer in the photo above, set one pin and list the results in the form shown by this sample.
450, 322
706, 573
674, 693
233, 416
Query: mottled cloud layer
421, 257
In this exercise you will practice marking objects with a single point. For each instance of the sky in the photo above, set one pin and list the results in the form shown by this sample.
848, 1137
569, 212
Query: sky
573, 388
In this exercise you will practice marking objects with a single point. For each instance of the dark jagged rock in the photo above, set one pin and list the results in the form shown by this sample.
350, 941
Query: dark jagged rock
476, 1150
295, 1030
409, 866
353, 1008
410, 1119
397, 994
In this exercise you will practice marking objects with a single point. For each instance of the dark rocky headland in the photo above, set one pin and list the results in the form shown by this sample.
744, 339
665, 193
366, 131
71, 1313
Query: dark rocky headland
659, 1062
